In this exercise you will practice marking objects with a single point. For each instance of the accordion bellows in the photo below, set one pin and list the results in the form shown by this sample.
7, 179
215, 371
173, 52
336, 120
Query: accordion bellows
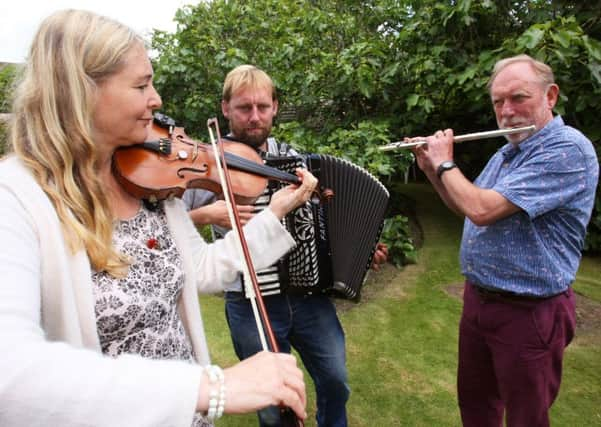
336, 239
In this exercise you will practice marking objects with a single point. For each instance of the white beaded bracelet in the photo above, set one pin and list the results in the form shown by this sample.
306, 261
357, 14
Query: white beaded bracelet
216, 392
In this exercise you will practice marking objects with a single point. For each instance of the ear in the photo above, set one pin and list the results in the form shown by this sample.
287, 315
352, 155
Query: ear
552, 95
225, 109
275, 107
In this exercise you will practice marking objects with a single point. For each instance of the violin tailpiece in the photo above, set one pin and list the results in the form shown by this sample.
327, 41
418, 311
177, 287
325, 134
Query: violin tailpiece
162, 145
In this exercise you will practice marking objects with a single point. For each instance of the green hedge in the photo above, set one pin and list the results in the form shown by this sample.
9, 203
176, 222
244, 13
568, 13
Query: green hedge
3, 138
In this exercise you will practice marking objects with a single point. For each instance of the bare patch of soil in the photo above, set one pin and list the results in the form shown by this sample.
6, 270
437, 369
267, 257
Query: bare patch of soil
455, 290
588, 315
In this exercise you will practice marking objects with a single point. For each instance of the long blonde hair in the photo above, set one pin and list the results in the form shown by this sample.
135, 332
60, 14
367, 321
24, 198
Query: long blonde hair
71, 53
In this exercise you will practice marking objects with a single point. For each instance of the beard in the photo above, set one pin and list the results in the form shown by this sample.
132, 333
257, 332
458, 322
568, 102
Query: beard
516, 138
254, 137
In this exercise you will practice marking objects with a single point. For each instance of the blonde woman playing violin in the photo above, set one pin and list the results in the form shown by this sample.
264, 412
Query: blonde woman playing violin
99, 317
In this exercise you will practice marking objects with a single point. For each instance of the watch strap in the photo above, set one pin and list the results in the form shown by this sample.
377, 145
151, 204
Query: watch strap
445, 166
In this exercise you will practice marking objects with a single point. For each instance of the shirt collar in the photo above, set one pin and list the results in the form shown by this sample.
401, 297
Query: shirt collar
509, 151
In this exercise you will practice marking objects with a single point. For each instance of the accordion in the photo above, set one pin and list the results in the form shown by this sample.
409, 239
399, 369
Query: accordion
336, 239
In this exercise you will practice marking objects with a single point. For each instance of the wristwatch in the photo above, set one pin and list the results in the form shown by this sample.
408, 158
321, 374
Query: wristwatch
445, 166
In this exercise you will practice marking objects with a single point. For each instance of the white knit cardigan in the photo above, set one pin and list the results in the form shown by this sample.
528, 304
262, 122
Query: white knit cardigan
52, 372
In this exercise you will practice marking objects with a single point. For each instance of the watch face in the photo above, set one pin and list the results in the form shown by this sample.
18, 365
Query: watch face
445, 166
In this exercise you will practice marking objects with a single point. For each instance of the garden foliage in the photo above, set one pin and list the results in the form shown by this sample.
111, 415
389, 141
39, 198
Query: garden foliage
353, 75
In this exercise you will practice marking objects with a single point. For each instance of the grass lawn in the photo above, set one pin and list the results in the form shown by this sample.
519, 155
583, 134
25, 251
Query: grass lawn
402, 337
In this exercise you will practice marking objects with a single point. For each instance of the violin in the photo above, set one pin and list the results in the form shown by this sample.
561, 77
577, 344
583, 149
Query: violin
169, 162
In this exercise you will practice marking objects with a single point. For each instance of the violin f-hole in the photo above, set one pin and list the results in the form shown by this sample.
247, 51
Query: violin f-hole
181, 171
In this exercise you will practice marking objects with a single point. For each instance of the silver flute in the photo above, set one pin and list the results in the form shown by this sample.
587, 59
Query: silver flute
460, 138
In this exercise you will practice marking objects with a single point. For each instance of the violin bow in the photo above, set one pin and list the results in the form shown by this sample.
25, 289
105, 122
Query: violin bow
251, 283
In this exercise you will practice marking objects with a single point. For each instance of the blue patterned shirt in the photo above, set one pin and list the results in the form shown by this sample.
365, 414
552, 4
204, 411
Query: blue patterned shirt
551, 176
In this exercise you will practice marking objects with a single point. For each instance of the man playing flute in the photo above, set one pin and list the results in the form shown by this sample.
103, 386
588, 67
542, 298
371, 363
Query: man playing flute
525, 223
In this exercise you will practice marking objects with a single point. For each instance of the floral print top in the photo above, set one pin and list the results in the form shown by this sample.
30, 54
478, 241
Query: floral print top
138, 314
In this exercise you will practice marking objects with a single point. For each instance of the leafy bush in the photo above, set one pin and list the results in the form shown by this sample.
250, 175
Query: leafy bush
593, 237
592, 242
3, 138
397, 236
359, 144
357, 74
8, 77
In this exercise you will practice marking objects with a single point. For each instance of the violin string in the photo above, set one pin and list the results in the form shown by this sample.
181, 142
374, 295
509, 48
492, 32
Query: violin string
246, 165
258, 169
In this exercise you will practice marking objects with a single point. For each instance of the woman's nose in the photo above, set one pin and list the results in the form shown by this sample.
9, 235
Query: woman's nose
155, 100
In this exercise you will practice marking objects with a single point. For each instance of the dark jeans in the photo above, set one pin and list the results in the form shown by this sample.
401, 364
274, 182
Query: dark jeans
311, 326
510, 357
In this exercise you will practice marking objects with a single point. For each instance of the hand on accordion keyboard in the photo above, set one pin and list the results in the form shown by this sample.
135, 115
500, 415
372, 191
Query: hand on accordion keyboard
380, 256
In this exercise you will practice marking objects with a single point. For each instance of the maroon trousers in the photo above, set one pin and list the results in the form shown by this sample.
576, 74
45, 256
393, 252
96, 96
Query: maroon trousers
510, 357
